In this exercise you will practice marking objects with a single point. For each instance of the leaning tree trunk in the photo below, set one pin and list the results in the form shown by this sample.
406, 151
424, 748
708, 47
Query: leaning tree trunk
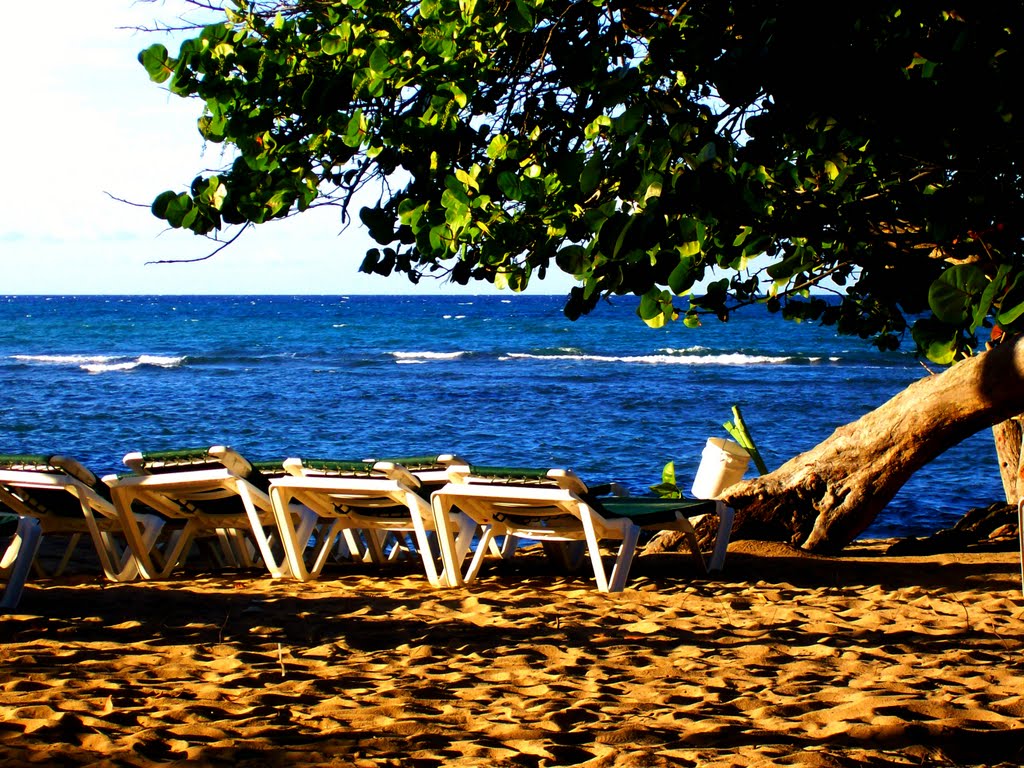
823, 499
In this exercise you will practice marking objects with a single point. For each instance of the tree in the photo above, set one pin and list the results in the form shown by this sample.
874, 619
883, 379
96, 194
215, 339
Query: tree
758, 149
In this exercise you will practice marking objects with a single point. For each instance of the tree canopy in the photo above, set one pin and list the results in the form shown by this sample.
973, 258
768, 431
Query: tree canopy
758, 149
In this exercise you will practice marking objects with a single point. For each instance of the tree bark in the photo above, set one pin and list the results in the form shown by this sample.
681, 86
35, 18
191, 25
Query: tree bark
1008, 436
823, 499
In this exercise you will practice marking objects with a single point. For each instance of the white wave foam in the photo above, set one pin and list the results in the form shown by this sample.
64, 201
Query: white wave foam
684, 351
723, 359
65, 359
421, 357
163, 361
104, 363
105, 367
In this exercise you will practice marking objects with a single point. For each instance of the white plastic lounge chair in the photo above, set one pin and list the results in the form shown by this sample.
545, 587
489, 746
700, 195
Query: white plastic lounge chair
69, 500
17, 559
208, 491
376, 497
556, 506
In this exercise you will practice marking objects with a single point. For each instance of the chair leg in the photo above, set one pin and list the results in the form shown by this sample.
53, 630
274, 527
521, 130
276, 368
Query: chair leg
486, 536
375, 545
451, 555
467, 529
174, 554
725, 518
350, 547
294, 541
324, 547
620, 573
259, 535
152, 526
19, 556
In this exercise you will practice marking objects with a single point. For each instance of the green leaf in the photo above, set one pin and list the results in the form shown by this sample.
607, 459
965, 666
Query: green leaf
936, 340
161, 203
510, 185
591, 176
457, 93
668, 473
627, 123
572, 259
513, 278
521, 17
593, 130
1011, 309
682, 277
666, 490
333, 44
355, 132
988, 297
655, 308
956, 292
468, 179
173, 208
158, 64
380, 62
691, 248
498, 147
653, 190
744, 233
410, 212
370, 261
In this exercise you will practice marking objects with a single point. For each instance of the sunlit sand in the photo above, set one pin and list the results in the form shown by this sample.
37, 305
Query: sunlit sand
784, 659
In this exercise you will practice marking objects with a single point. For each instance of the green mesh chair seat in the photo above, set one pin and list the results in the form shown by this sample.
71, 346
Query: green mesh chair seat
650, 511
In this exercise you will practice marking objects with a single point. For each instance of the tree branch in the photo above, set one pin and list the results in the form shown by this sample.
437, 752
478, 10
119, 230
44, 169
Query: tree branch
210, 255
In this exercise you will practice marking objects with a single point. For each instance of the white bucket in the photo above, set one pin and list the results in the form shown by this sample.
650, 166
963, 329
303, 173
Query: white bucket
722, 464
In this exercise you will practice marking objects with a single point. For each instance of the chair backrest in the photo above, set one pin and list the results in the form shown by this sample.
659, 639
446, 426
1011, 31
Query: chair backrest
22, 496
50, 463
198, 459
431, 472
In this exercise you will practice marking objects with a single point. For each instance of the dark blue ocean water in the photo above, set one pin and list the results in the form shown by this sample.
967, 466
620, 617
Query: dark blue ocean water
496, 379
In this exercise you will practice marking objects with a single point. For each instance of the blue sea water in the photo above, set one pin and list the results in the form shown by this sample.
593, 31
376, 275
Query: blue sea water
497, 379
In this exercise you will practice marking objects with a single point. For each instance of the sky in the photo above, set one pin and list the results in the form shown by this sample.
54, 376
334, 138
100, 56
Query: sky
84, 125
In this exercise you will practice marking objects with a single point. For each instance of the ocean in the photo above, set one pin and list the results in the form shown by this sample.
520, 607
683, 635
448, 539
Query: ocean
497, 379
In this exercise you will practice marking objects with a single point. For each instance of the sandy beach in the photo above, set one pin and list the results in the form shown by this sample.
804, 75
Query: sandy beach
784, 659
